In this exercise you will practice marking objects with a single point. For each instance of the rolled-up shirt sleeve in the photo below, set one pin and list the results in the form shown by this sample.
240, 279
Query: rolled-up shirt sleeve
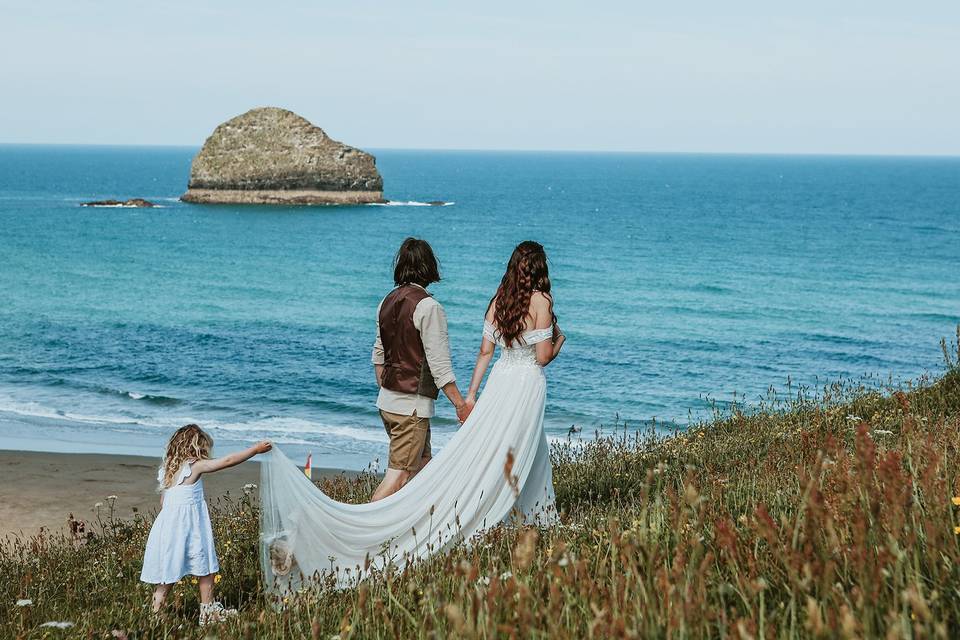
431, 321
377, 356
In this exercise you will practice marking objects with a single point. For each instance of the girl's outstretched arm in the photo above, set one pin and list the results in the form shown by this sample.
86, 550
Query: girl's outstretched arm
231, 460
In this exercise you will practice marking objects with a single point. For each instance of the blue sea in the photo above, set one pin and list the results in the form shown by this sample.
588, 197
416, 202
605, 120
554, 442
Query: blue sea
680, 280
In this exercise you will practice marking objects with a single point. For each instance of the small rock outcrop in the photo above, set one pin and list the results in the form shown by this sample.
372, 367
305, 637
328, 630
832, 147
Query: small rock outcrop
132, 202
273, 156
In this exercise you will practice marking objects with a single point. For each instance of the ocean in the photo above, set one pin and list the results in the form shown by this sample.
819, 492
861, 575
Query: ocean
682, 282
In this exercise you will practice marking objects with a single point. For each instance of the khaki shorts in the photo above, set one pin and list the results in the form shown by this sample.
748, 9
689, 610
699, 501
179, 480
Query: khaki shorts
409, 440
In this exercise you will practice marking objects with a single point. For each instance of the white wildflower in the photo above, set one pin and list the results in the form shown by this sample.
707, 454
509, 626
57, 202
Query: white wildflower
853, 418
112, 498
57, 625
24, 602
484, 580
563, 561
98, 505
249, 488
506, 575
882, 432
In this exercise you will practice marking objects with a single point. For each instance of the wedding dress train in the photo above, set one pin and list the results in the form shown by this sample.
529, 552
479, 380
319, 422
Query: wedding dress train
497, 464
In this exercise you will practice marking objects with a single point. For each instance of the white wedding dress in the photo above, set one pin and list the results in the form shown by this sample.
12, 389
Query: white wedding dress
305, 536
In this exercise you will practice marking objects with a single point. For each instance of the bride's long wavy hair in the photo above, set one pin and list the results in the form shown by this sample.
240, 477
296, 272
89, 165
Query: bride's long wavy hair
526, 272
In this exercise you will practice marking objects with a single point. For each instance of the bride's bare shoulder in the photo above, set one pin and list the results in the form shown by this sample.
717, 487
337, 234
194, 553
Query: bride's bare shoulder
491, 309
540, 301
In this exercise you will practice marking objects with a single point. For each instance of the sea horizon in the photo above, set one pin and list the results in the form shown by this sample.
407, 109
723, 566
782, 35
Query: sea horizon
375, 149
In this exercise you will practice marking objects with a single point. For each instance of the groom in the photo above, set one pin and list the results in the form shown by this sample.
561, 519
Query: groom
411, 359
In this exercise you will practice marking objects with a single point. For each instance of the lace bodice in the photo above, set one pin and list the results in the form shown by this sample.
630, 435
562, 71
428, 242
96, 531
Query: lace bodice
522, 354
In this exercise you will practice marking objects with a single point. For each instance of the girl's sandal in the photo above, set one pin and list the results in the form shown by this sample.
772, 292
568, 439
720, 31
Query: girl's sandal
214, 613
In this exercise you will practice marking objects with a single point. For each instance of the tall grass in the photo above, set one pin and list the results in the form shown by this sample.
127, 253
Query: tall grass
828, 516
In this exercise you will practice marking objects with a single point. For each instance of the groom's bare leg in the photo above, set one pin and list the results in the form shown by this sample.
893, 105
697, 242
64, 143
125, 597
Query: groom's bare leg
393, 479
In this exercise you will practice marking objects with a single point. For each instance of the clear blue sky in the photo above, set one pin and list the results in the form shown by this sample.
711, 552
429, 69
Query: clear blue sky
739, 76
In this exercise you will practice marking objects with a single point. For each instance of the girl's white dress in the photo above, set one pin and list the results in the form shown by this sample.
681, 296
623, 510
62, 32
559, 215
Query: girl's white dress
181, 539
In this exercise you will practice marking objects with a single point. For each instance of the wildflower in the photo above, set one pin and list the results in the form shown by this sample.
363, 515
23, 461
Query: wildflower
455, 616
193, 581
526, 548
956, 501
249, 487
217, 578
484, 580
853, 418
111, 498
24, 602
956, 531
691, 495
506, 575
98, 505
882, 432
57, 625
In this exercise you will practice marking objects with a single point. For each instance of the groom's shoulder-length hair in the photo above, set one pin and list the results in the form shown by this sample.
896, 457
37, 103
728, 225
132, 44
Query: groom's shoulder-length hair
415, 263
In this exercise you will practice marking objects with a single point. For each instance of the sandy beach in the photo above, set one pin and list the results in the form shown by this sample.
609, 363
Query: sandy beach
41, 489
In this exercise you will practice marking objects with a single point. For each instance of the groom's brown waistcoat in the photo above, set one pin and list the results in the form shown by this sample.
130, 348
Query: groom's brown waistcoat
405, 367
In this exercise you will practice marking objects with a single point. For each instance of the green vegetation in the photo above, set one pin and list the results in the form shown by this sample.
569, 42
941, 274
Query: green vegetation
833, 516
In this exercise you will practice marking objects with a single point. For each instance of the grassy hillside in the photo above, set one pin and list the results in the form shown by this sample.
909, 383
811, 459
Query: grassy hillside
834, 516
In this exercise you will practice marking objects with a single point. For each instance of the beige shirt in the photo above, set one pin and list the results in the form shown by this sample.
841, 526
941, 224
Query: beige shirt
431, 321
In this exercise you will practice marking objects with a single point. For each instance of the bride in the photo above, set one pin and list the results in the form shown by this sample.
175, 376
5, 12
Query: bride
496, 467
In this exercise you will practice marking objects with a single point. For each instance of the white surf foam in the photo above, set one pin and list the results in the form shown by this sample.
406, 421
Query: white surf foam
409, 203
300, 426
36, 410
284, 429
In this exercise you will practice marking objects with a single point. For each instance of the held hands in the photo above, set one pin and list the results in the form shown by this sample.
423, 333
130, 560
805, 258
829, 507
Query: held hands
263, 446
463, 411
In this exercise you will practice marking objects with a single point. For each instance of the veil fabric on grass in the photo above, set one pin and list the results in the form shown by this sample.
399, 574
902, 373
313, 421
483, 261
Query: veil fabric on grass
497, 466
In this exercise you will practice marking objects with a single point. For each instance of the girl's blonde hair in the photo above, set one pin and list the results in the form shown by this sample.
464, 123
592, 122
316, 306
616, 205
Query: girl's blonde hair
190, 442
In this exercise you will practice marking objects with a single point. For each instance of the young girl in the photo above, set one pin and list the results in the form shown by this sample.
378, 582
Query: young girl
181, 539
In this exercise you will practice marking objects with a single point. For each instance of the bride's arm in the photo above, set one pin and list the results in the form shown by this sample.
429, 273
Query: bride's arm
542, 307
487, 347
483, 361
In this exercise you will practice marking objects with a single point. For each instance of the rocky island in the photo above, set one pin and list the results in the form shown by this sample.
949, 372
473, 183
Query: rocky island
273, 156
131, 203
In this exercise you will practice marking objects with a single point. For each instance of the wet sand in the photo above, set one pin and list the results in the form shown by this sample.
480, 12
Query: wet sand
41, 489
